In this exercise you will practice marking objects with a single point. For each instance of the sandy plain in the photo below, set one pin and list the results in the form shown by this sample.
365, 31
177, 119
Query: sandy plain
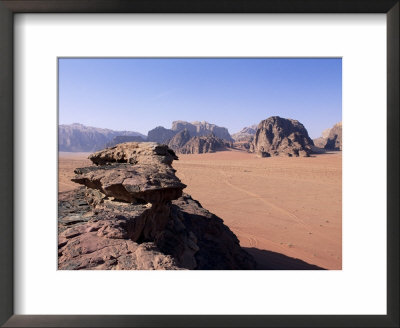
287, 212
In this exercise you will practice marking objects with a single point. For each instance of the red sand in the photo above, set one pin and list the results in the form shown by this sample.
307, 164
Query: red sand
291, 206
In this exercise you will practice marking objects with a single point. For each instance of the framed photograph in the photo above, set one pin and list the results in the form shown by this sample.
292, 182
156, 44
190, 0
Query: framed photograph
199, 164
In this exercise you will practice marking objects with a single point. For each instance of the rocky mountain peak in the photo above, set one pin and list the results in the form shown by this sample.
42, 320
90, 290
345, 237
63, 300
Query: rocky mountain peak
278, 136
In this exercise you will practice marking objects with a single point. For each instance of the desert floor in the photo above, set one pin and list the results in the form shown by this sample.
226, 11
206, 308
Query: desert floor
285, 211
67, 163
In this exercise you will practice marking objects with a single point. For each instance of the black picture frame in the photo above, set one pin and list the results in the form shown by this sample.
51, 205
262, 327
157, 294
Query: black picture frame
10, 7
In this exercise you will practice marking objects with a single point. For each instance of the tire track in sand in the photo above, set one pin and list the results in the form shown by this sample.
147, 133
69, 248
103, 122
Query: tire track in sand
276, 207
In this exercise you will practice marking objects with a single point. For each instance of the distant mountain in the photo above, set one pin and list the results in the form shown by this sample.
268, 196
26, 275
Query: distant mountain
194, 129
179, 140
245, 133
203, 144
331, 139
160, 135
80, 138
121, 139
198, 129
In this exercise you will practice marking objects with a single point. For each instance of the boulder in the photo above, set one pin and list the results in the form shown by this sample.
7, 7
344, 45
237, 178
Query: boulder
278, 136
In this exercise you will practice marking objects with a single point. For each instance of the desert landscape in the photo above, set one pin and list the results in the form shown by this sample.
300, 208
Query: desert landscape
275, 206
287, 206
200, 164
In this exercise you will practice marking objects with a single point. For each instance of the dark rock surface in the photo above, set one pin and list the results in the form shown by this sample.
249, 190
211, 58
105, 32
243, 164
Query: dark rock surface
334, 140
179, 140
206, 144
278, 136
160, 135
132, 214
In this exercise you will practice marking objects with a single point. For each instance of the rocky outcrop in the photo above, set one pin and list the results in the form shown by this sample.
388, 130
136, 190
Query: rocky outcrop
198, 129
331, 139
80, 138
245, 144
122, 139
135, 153
206, 144
245, 134
160, 135
334, 140
278, 136
320, 142
131, 213
179, 140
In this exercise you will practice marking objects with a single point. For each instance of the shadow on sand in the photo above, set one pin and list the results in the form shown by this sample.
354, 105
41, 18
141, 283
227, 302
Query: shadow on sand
267, 260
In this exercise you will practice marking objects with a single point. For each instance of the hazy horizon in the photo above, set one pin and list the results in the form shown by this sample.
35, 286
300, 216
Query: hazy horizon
133, 94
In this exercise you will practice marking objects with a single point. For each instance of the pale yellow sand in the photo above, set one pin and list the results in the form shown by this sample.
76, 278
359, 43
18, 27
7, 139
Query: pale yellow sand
291, 206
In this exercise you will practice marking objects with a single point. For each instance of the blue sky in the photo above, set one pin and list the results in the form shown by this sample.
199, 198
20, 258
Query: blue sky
139, 94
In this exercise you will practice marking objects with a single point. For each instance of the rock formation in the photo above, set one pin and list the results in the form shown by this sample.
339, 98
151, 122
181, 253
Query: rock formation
199, 129
179, 140
331, 139
80, 138
278, 136
122, 139
245, 144
160, 135
245, 134
132, 214
334, 140
205, 144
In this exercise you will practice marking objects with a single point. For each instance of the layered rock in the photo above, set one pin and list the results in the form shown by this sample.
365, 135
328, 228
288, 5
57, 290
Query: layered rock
135, 153
278, 136
131, 214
